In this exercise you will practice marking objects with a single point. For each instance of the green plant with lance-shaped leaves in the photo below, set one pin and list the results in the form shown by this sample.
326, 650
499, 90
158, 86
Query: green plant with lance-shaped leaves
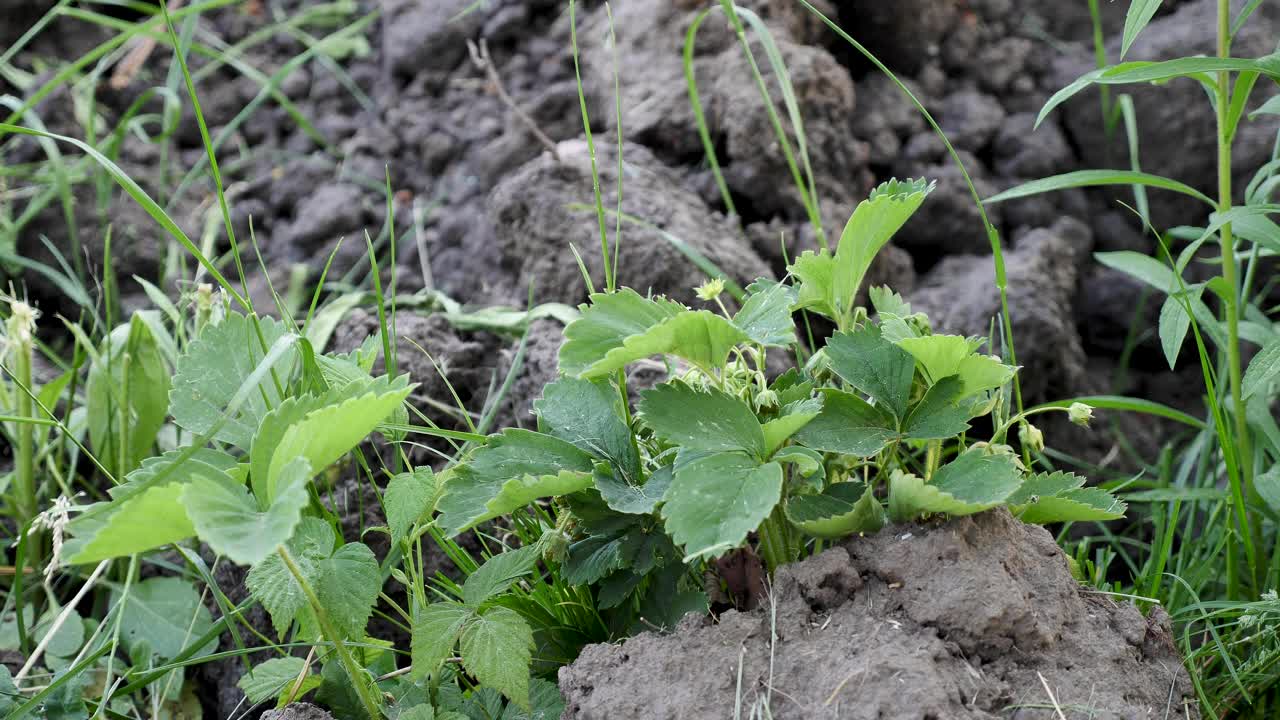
260, 415
720, 454
1241, 396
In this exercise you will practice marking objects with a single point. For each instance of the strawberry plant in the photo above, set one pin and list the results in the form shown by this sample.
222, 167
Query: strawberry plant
873, 424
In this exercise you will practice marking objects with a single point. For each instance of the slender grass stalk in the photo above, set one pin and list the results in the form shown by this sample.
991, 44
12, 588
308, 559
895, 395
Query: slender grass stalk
354, 671
21, 335
1230, 274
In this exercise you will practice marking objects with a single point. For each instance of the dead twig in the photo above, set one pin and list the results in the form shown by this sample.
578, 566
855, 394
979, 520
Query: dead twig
481, 59
140, 49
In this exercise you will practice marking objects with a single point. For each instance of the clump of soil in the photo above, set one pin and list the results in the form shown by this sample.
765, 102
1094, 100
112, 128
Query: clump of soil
977, 617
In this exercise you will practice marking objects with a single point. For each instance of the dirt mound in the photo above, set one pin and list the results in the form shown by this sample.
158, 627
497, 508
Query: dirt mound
978, 617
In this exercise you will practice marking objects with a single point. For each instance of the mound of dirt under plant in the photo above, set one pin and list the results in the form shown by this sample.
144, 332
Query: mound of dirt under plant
978, 617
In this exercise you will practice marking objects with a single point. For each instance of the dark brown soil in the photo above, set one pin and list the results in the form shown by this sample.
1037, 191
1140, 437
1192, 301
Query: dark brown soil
977, 617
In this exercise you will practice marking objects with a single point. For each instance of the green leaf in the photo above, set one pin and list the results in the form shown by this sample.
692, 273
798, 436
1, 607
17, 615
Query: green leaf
874, 366
791, 419
9, 697
1140, 13
227, 516
275, 677
516, 454
816, 276
347, 585
708, 420
271, 583
165, 615
633, 499
699, 336
408, 499
221, 365
938, 415
979, 373
497, 574
969, 484
872, 223
766, 316
939, 356
1085, 504
1060, 497
325, 435
545, 703
1145, 72
131, 357
587, 414
1174, 325
436, 629
715, 500
606, 323
842, 509
1262, 370
1142, 267
591, 559
1045, 485
146, 512
497, 647
1095, 178
848, 424
1268, 487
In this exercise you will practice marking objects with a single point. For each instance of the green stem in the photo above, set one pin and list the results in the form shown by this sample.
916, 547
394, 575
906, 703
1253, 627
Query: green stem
1230, 274
774, 540
27, 504
354, 671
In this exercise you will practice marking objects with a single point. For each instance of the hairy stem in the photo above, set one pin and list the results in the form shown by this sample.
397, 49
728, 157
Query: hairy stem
354, 671
775, 545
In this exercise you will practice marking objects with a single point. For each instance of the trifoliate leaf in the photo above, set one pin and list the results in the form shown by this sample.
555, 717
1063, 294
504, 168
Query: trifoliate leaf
715, 500
275, 677
791, 419
633, 499
938, 416
347, 585
165, 615
707, 420
969, 484
792, 386
842, 509
874, 366
408, 499
327, 434
273, 585
497, 646
848, 424
872, 223
606, 323
436, 629
513, 455
225, 363
227, 516
701, 337
587, 414
146, 512
497, 574
766, 316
